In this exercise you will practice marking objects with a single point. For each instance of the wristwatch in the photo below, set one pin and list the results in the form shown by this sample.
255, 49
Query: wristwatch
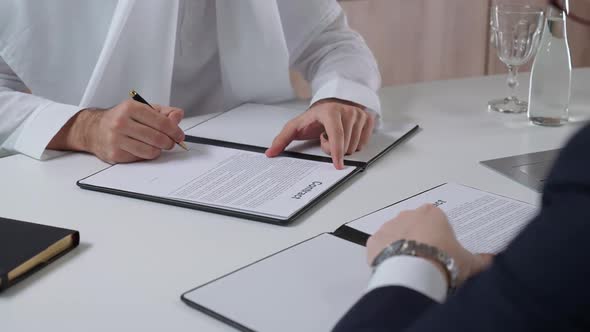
405, 247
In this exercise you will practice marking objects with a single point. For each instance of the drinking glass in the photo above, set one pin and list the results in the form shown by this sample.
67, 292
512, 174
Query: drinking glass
516, 31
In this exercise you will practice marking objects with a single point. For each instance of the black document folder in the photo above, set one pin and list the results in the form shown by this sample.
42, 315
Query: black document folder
287, 294
311, 285
235, 178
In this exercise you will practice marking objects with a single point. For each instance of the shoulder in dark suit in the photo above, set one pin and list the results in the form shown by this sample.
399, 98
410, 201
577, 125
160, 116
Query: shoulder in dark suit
541, 282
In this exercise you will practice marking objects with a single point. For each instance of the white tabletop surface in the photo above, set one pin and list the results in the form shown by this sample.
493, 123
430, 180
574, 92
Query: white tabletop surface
136, 258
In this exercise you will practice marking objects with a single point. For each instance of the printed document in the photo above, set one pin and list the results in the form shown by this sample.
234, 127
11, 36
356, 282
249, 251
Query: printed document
226, 178
483, 222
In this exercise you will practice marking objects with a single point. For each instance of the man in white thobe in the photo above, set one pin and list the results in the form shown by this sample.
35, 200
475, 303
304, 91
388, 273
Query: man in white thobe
65, 63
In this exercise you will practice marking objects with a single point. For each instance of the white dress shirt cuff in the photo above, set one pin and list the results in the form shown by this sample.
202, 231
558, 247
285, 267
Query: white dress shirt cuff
349, 90
415, 273
40, 128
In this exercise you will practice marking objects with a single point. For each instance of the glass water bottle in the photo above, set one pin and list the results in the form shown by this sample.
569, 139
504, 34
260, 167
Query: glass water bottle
551, 75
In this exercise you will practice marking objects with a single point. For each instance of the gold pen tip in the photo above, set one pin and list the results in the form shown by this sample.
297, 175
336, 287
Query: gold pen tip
183, 145
132, 93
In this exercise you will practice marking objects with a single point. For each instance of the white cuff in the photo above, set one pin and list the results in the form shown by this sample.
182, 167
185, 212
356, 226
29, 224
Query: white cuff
415, 273
349, 90
40, 128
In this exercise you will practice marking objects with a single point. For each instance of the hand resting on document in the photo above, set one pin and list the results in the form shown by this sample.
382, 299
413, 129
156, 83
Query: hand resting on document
342, 127
429, 225
130, 131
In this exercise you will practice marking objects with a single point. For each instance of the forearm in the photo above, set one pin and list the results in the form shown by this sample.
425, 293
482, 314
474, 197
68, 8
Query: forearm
75, 134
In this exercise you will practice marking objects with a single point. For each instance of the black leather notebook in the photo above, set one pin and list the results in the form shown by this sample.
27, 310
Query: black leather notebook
26, 247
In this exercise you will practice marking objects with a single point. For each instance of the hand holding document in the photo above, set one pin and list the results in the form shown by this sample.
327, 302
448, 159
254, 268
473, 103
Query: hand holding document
483, 222
315, 282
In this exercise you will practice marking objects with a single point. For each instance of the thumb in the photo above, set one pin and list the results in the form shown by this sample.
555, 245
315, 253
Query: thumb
282, 140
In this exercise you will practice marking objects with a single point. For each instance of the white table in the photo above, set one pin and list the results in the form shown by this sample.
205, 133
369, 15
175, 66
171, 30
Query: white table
136, 257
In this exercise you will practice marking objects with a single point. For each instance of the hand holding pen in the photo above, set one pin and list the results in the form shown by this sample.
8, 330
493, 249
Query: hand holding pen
135, 96
128, 132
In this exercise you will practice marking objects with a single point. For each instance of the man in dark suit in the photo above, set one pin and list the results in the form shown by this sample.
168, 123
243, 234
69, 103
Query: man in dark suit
540, 282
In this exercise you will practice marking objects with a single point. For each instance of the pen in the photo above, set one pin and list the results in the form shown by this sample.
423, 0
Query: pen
135, 96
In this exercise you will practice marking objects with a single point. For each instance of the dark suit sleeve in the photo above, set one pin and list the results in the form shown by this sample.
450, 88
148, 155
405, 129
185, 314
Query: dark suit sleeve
539, 283
385, 309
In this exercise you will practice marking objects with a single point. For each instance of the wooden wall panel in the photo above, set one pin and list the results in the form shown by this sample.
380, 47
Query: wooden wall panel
422, 40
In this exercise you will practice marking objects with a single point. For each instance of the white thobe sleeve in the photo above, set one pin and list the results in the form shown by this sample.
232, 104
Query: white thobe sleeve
28, 122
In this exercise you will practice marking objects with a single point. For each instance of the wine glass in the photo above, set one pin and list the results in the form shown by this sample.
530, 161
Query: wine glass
516, 31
